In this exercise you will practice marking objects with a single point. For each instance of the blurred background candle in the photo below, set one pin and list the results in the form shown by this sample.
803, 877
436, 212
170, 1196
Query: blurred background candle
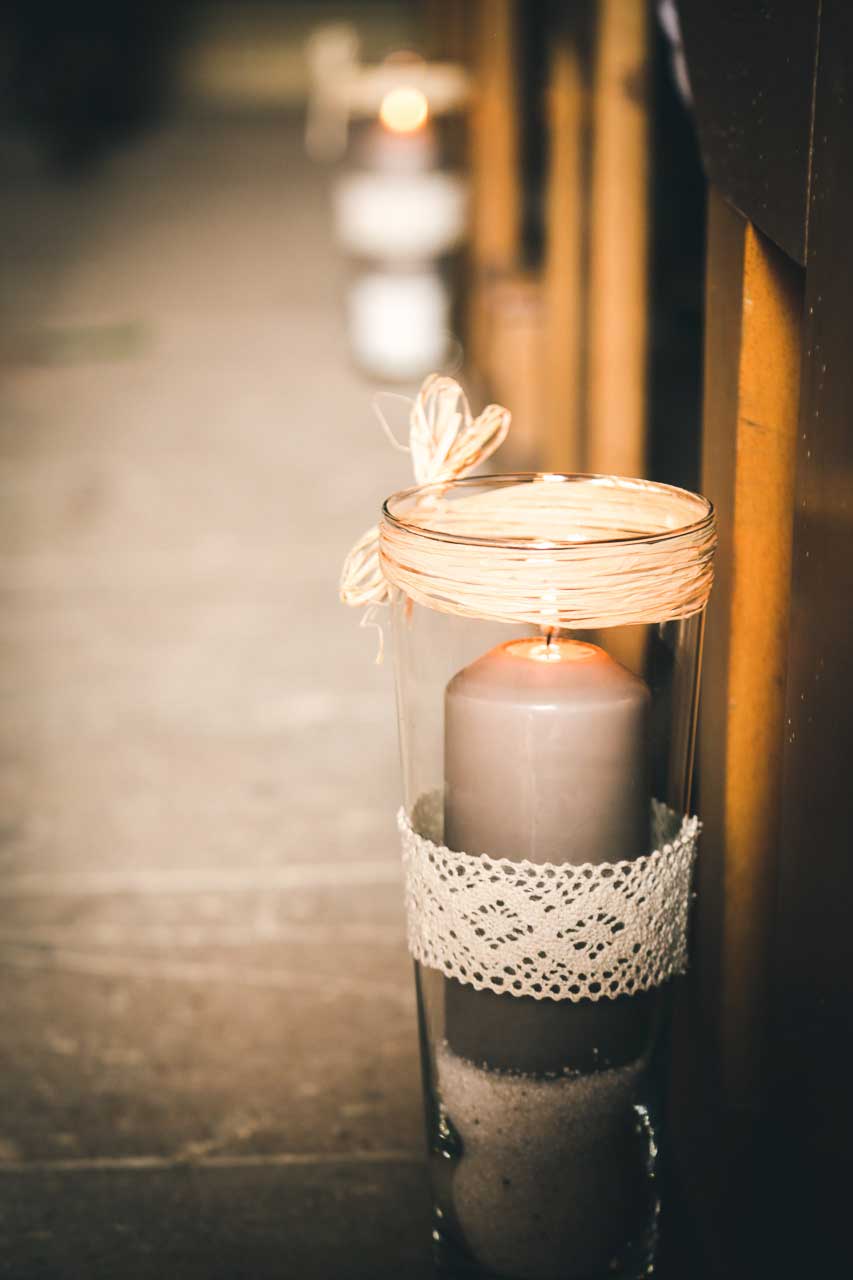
398, 216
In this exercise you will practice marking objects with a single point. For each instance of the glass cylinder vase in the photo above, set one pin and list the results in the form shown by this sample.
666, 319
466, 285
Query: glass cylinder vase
547, 635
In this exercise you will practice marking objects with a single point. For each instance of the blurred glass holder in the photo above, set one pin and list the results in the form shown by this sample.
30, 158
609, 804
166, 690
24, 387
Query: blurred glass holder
399, 322
400, 216
547, 638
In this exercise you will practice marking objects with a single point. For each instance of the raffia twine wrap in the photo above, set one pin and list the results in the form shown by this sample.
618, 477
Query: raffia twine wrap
560, 551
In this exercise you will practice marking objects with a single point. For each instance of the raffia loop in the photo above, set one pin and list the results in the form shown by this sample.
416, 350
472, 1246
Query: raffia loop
362, 579
445, 442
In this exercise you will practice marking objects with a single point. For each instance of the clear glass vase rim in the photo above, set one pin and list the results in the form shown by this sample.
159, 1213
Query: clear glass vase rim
500, 479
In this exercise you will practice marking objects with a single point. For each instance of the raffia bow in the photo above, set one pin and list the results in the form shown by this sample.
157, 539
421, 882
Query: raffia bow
445, 442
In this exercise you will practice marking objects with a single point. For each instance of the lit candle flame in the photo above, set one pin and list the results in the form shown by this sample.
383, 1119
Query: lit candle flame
551, 648
404, 110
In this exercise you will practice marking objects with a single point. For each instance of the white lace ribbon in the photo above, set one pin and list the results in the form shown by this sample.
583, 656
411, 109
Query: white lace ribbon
547, 930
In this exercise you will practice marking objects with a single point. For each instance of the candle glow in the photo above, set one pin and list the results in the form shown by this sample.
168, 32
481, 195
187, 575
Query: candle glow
404, 110
549, 649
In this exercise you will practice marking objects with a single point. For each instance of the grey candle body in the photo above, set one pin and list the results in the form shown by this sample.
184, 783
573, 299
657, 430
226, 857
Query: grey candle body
546, 759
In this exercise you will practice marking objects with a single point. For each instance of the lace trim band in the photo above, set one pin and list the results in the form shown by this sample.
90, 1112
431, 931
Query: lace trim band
550, 931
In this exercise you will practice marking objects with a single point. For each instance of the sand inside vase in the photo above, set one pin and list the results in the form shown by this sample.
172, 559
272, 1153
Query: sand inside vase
555, 1176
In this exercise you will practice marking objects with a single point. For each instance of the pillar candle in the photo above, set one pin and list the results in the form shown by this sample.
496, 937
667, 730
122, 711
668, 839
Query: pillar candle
546, 759
397, 204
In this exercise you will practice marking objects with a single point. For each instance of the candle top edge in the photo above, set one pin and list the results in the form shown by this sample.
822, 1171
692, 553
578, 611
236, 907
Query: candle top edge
499, 675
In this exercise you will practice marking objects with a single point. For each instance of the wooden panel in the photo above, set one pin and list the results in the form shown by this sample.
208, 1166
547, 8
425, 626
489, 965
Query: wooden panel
563, 277
751, 406
619, 226
752, 71
676, 283
760, 597
494, 137
514, 373
814, 955
446, 29
495, 173
723, 317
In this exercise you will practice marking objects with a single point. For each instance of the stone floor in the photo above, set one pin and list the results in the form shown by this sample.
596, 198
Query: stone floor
208, 1057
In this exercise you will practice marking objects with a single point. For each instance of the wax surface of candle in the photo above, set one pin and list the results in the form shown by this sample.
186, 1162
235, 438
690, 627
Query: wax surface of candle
546, 755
